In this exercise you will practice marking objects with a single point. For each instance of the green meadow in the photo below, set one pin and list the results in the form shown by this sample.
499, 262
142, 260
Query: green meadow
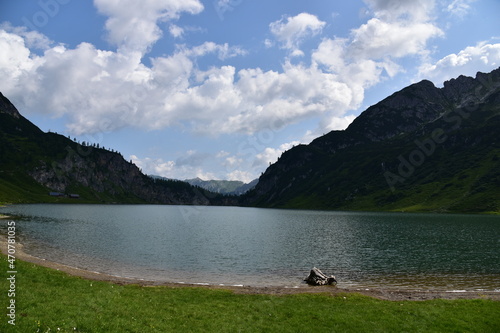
48, 300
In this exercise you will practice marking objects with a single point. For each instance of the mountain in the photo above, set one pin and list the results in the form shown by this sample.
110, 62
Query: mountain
232, 187
34, 164
421, 149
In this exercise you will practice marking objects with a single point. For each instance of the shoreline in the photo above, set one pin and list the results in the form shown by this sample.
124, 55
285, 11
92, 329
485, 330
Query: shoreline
379, 293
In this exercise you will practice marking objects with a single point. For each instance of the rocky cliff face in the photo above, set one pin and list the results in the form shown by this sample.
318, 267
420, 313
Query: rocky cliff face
344, 168
107, 173
97, 175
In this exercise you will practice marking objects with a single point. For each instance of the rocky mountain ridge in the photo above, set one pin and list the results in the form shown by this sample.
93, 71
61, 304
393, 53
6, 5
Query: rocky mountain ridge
392, 156
230, 187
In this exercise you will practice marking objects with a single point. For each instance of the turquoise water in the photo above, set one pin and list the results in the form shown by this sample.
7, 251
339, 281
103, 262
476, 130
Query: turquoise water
252, 246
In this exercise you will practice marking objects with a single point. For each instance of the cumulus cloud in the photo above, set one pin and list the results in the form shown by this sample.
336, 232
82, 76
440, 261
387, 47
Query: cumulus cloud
15, 58
176, 31
101, 90
407, 10
372, 52
271, 155
170, 169
133, 25
32, 39
106, 90
378, 39
291, 31
399, 29
151, 166
481, 57
241, 175
338, 123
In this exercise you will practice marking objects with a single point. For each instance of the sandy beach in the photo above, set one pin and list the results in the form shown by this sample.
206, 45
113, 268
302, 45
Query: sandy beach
380, 293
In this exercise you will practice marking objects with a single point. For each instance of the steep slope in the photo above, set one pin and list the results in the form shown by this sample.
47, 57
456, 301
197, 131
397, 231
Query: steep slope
421, 149
34, 163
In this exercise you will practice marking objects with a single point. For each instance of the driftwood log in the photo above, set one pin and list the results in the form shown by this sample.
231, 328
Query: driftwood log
317, 278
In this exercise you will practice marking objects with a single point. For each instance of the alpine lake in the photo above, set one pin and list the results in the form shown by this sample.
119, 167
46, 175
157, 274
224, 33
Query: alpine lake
265, 247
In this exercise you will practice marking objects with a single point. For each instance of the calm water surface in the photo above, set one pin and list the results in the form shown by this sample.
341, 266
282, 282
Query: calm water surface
251, 246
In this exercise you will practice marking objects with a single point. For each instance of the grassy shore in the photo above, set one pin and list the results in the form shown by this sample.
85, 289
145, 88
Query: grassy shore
48, 300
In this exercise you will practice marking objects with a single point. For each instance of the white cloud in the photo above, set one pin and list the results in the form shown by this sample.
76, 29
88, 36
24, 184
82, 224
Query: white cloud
460, 8
292, 32
273, 100
241, 175
133, 25
399, 29
151, 166
176, 31
170, 169
271, 155
371, 52
378, 39
233, 161
16, 59
481, 57
224, 51
338, 123
32, 39
407, 10
106, 90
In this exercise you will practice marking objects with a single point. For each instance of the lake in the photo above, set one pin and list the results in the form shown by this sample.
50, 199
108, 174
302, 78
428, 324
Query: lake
266, 247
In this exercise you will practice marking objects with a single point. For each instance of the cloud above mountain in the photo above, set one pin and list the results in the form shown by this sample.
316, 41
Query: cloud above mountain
109, 90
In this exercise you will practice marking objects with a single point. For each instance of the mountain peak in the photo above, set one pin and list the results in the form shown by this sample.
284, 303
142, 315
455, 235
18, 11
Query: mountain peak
7, 107
409, 151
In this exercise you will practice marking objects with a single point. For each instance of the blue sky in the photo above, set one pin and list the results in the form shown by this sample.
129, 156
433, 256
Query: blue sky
219, 89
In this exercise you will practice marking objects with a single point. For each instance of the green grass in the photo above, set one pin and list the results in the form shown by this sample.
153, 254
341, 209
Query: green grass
51, 301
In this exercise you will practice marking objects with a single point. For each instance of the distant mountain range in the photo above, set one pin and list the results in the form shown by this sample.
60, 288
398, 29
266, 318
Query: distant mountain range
421, 149
228, 187
231, 187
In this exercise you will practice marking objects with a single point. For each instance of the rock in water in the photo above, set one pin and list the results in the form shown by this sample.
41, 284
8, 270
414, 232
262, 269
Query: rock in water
317, 278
